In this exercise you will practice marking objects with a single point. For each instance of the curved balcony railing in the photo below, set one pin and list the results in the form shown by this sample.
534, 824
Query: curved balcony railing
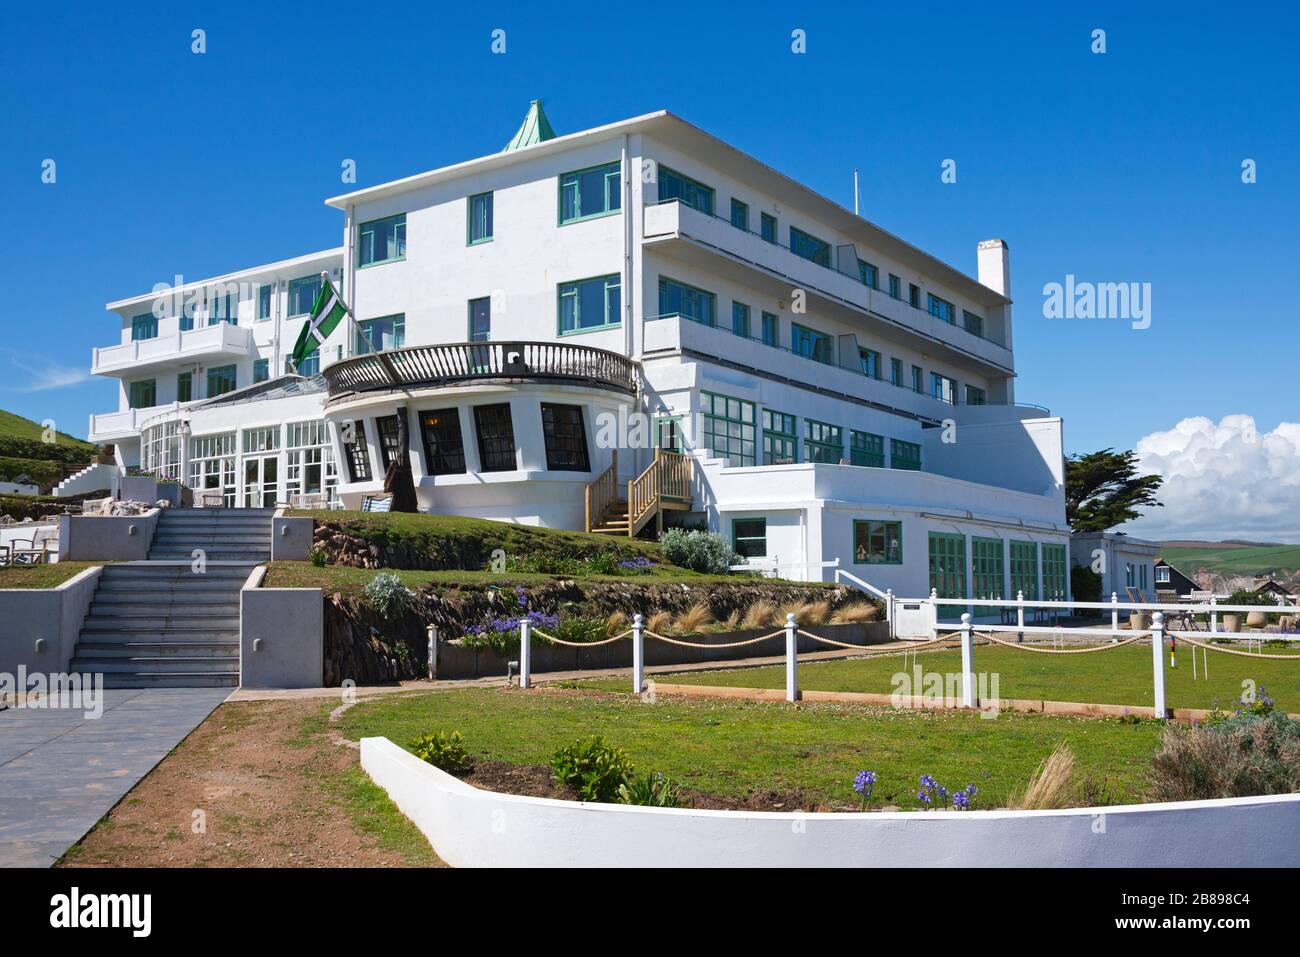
437, 365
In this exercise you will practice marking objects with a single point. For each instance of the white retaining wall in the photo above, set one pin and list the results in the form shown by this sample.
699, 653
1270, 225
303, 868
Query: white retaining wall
50, 616
473, 828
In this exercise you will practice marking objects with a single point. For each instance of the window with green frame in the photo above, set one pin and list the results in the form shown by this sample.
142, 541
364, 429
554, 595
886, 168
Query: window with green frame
264, 293
1024, 569
904, 455
867, 449
987, 570
974, 395
810, 247
302, 295
480, 319
594, 191
767, 227
896, 371
309, 366
261, 370
877, 543
1055, 575
974, 324
740, 319
386, 332
588, 304
943, 309
381, 240
749, 537
144, 327
771, 329
728, 428
780, 438
677, 298
812, 344
668, 433
184, 386
740, 214
869, 274
221, 379
822, 442
917, 379
895, 286
948, 564
673, 185
943, 388
478, 228
142, 393
869, 362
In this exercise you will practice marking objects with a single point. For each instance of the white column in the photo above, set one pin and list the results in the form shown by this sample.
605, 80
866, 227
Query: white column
1020, 614
1214, 615
967, 661
791, 659
433, 652
1158, 661
525, 665
1114, 613
638, 654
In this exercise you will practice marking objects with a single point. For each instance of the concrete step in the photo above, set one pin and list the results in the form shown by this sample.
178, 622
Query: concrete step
175, 570
207, 541
155, 665
159, 624
144, 590
228, 648
175, 513
252, 556
171, 611
154, 636
227, 679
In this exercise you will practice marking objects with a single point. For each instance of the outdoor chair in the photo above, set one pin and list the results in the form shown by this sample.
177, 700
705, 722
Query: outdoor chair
35, 550
373, 503
309, 500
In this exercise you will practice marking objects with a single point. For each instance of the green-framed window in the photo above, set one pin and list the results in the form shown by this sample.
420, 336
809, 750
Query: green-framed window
184, 386
918, 379
987, 568
974, 395
480, 319
771, 329
767, 227
895, 287
728, 427
142, 393
261, 370
565, 438
668, 433
478, 227
974, 324
381, 240
914, 295
594, 191
942, 309
740, 319
948, 564
822, 442
740, 214
896, 371
309, 366
1055, 578
1024, 569
589, 304
943, 388
673, 185
812, 344
869, 274
264, 294
677, 298
386, 332
223, 307
144, 326
810, 247
780, 438
302, 295
869, 362
877, 543
221, 379
867, 449
904, 455
749, 537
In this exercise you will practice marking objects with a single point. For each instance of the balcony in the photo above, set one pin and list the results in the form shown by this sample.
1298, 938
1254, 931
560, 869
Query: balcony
682, 232
110, 426
211, 343
456, 363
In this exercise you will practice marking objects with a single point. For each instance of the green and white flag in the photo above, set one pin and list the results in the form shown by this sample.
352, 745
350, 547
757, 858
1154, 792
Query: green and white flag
326, 314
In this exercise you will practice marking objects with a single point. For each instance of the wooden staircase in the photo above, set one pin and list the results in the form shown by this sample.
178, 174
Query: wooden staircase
666, 484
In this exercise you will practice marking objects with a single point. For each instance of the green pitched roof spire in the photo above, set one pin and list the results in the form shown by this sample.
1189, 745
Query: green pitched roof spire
536, 128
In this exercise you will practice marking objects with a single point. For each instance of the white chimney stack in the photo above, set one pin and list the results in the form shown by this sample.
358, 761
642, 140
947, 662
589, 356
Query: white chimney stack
995, 266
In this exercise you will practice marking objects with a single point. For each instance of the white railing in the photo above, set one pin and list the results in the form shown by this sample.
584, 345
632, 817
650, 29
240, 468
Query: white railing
771, 567
223, 337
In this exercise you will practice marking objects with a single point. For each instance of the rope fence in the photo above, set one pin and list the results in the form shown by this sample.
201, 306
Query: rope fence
1109, 646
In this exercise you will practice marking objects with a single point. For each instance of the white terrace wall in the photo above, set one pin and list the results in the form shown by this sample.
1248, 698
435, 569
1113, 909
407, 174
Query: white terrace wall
50, 616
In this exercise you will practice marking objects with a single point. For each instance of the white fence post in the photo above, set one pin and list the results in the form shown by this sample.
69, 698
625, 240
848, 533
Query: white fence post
433, 652
967, 662
525, 665
1158, 661
1214, 615
889, 611
638, 654
1114, 613
1020, 614
934, 607
791, 659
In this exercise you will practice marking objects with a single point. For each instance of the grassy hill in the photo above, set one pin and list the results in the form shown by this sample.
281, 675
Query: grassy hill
23, 451
1232, 559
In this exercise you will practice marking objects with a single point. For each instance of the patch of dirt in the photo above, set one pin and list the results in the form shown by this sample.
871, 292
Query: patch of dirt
265, 793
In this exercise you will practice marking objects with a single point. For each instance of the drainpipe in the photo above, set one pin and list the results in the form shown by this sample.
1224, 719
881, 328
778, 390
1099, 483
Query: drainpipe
627, 248
349, 274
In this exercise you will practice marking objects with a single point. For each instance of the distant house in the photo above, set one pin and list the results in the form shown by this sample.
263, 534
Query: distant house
1271, 587
1170, 579
1125, 562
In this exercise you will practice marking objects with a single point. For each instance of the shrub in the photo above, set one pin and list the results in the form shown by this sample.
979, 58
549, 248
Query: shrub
602, 563
1245, 596
693, 620
698, 551
388, 595
653, 790
759, 615
1052, 785
318, 557
443, 751
1240, 757
581, 629
1085, 584
856, 613
592, 768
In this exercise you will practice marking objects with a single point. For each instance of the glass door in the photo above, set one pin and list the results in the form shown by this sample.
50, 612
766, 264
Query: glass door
261, 481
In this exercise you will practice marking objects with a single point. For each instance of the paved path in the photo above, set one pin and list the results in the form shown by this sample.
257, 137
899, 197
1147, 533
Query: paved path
60, 772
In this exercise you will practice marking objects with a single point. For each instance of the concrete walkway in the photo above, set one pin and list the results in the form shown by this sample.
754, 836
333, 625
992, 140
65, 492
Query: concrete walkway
60, 772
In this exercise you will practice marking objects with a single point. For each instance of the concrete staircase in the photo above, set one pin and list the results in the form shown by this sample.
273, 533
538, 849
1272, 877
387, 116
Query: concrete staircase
158, 623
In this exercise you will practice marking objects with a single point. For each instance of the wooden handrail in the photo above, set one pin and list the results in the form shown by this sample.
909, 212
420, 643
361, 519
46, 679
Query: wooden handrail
668, 477
602, 491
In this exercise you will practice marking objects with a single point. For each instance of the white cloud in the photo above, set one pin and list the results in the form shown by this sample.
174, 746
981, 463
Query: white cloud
1224, 480
47, 375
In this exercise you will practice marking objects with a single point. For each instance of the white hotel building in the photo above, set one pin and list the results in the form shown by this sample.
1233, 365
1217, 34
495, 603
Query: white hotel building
816, 388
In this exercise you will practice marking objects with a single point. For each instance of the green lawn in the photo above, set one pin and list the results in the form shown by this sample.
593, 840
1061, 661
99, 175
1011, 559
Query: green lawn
1122, 676
41, 576
733, 747
1244, 560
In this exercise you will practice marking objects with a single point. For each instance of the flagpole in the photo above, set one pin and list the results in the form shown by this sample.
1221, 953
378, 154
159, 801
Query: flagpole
356, 325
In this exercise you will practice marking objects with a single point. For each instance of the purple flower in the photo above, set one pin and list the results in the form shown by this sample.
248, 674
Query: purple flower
961, 801
864, 782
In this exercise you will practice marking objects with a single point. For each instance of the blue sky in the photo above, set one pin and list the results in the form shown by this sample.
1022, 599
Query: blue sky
1124, 166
